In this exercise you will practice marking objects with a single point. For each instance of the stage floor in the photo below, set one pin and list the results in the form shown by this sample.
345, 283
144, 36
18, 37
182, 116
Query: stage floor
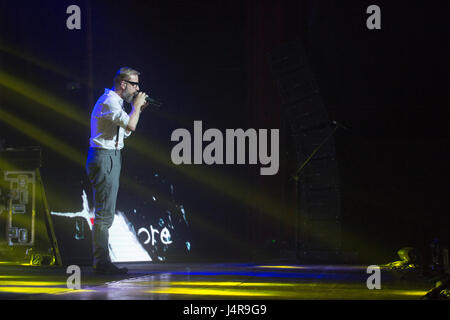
210, 281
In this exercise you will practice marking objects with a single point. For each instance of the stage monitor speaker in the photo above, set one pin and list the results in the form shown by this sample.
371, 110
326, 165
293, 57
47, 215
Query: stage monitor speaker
307, 114
26, 228
319, 227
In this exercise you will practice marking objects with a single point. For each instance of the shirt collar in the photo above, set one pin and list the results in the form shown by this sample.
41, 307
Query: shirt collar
115, 95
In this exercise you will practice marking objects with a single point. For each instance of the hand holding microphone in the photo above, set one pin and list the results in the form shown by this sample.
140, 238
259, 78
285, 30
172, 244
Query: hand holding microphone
139, 101
147, 101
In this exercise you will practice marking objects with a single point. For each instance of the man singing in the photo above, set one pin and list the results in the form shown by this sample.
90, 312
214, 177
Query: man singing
110, 124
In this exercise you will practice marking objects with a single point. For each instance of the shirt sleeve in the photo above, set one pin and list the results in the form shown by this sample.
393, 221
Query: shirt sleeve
112, 110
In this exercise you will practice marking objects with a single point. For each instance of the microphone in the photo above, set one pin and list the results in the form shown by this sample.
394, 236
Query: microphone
153, 102
337, 124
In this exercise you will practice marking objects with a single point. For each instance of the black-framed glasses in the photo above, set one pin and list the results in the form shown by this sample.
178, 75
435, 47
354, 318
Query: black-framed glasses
133, 83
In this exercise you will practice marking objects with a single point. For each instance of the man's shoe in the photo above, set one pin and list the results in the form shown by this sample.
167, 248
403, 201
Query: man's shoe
109, 268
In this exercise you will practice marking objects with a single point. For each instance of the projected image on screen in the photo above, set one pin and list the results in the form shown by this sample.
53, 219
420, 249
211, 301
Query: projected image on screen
156, 229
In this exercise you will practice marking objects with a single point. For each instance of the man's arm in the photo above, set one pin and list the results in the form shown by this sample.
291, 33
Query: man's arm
136, 107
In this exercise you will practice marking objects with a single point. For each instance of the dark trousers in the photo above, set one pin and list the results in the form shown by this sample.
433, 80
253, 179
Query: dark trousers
103, 170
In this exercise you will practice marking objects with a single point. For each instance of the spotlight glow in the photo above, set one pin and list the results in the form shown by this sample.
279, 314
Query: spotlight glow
231, 284
214, 292
40, 290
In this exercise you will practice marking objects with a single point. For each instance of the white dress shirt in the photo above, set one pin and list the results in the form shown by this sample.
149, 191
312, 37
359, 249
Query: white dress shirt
108, 114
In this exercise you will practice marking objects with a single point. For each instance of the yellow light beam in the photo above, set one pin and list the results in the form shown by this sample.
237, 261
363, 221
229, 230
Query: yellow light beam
231, 284
31, 283
45, 99
40, 63
40, 290
46, 139
230, 187
213, 292
316, 293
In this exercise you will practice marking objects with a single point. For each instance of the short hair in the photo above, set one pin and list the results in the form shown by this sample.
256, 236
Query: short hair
124, 73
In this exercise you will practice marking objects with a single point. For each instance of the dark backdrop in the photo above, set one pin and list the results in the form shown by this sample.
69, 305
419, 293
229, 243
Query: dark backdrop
207, 60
